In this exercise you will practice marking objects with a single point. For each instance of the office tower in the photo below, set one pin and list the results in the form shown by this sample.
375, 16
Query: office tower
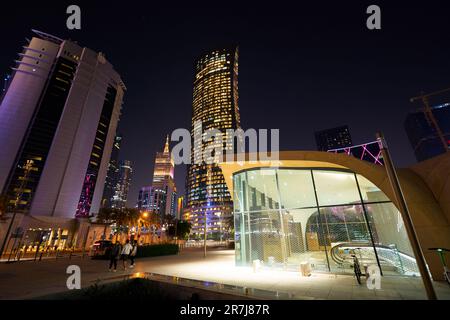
152, 199
58, 120
120, 197
180, 207
334, 138
423, 135
112, 176
215, 105
163, 179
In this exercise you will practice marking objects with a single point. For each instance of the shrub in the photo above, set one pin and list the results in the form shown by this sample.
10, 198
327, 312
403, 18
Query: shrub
156, 250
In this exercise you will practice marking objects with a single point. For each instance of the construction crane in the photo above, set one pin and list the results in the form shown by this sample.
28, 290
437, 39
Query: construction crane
430, 116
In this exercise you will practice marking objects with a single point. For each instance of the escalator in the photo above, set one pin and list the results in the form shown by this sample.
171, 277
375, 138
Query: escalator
391, 260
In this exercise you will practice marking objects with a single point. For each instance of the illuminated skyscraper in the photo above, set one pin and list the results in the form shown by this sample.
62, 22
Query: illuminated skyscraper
163, 174
58, 119
119, 200
215, 105
113, 175
161, 196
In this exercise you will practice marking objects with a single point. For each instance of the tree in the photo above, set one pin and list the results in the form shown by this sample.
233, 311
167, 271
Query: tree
105, 215
228, 225
182, 229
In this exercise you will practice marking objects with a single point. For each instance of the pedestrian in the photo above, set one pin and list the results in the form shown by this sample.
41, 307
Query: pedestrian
114, 256
126, 253
133, 253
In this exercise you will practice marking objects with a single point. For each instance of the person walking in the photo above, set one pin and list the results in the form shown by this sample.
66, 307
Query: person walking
126, 253
114, 256
133, 253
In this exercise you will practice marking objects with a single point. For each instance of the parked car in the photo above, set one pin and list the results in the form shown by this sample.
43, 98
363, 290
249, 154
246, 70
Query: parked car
101, 249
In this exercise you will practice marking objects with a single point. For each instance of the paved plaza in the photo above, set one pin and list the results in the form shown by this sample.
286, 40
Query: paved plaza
33, 279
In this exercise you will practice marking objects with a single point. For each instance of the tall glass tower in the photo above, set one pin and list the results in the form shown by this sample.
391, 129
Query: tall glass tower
215, 106
58, 119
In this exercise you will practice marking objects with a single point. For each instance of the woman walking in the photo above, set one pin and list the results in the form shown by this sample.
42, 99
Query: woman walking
126, 253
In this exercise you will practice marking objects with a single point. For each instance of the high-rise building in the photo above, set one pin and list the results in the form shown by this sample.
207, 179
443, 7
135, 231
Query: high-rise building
120, 197
180, 207
112, 176
334, 138
161, 196
423, 135
152, 199
163, 179
58, 120
215, 105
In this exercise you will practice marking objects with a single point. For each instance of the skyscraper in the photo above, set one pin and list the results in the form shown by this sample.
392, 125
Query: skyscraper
58, 120
215, 105
334, 138
120, 197
161, 196
422, 134
163, 178
112, 176
152, 199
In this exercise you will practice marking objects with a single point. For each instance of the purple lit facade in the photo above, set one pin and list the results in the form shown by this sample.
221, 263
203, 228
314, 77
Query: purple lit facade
370, 152
60, 111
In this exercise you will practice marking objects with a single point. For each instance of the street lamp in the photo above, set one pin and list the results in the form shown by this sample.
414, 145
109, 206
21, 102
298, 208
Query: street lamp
404, 211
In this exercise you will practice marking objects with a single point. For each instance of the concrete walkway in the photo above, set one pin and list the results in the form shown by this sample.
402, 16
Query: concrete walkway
32, 279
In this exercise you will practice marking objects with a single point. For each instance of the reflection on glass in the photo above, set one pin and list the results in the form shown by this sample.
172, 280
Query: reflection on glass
324, 233
335, 187
296, 189
369, 191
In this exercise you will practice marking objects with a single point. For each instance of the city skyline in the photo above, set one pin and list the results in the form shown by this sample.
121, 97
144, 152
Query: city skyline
349, 82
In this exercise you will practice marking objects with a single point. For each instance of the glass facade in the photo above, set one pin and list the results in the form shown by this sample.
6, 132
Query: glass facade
214, 106
423, 135
23, 182
287, 216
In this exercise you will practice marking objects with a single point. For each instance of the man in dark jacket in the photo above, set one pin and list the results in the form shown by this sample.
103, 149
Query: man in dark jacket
115, 254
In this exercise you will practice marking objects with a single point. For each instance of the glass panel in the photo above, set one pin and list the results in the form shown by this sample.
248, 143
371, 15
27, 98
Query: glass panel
296, 189
305, 239
239, 184
369, 191
392, 243
334, 188
267, 237
262, 193
346, 234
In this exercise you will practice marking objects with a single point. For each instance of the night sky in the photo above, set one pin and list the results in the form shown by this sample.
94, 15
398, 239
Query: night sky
302, 68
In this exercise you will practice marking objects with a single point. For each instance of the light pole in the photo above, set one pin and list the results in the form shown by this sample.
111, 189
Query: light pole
396, 188
220, 225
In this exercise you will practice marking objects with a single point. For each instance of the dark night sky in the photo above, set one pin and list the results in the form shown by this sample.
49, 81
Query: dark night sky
302, 68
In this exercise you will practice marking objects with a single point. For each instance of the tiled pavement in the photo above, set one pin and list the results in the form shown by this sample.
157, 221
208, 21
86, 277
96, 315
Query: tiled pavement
31, 279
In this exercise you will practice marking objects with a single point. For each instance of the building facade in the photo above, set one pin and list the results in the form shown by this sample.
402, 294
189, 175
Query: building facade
161, 196
120, 197
152, 199
422, 134
163, 179
320, 207
58, 120
215, 106
112, 176
335, 138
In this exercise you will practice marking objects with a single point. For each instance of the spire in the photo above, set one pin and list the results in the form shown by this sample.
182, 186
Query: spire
166, 146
